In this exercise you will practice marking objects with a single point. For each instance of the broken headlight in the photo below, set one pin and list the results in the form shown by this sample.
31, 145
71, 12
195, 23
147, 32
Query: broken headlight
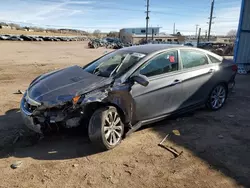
77, 99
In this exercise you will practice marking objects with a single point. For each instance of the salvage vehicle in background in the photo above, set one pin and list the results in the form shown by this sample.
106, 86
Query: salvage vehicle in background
15, 38
125, 89
4, 37
220, 48
94, 43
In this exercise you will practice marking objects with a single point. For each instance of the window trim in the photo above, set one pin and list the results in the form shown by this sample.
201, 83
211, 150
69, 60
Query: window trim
219, 61
163, 74
197, 67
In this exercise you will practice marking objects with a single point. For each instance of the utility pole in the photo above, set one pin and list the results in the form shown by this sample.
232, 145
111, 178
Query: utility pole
196, 30
147, 18
210, 20
153, 34
199, 35
174, 29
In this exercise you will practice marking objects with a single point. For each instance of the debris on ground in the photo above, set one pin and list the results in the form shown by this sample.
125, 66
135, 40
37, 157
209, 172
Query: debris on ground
75, 165
17, 164
176, 132
19, 92
231, 116
129, 172
125, 164
169, 148
110, 178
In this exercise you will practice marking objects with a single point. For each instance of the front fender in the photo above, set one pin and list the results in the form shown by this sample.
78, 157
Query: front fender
118, 96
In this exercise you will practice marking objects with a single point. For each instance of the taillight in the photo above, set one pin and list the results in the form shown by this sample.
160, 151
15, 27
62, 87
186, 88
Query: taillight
235, 68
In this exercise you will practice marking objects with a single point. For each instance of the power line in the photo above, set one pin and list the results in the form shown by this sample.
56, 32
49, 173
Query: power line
173, 13
196, 9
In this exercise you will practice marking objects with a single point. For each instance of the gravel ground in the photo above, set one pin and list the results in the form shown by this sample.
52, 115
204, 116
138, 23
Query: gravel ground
215, 145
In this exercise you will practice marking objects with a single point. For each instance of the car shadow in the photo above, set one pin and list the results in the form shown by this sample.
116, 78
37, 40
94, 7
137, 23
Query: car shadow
220, 138
17, 140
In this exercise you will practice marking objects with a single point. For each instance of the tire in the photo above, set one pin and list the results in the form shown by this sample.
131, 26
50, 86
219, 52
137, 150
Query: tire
102, 131
219, 94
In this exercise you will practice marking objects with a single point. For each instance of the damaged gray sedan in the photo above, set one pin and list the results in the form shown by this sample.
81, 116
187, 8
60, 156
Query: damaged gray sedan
127, 88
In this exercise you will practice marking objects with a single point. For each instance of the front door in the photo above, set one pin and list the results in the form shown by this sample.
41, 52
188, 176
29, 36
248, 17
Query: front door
163, 94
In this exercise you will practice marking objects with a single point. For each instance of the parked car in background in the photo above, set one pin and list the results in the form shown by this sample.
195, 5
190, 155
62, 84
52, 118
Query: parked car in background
15, 38
26, 38
40, 38
219, 48
188, 44
4, 37
121, 91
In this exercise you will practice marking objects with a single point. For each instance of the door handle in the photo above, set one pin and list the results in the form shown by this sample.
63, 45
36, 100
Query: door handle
176, 82
211, 70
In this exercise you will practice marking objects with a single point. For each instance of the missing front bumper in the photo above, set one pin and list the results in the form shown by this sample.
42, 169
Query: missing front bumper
29, 122
39, 122
28, 119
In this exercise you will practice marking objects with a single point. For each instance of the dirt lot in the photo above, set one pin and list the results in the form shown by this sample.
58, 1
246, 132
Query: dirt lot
215, 145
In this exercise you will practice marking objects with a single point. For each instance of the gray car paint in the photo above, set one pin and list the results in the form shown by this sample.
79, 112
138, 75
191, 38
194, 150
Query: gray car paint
161, 97
63, 85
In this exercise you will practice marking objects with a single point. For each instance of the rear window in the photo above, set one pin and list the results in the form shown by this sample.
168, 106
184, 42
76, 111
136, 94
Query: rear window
193, 58
213, 59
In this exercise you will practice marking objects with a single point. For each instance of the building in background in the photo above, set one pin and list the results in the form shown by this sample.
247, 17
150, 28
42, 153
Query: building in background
138, 35
5, 27
141, 30
225, 39
242, 44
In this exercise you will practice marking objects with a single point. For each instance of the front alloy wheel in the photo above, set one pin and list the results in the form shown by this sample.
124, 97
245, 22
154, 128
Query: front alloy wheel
106, 128
113, 128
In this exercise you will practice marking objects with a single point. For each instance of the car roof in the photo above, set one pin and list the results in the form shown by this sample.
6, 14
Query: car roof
150, 48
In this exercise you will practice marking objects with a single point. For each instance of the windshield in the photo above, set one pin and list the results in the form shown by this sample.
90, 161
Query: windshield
116, 62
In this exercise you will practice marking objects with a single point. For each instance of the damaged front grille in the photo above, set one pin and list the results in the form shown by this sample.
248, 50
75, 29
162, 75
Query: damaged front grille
29, 107
64, 115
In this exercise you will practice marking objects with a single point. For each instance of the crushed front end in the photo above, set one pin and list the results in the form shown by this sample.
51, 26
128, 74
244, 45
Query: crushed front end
40, 118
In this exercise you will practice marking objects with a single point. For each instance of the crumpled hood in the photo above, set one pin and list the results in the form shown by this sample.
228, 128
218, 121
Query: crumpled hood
61, 86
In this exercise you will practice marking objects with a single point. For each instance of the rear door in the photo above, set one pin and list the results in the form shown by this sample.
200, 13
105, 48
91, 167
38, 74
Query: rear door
197, 73
163, 94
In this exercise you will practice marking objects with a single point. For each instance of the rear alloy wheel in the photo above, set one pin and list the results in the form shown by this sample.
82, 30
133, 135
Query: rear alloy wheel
106, 128
217, 97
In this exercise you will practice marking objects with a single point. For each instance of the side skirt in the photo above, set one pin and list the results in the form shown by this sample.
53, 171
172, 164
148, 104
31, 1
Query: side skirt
139, 124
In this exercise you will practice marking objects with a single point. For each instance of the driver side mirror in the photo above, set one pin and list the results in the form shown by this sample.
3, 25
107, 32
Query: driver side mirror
140, 79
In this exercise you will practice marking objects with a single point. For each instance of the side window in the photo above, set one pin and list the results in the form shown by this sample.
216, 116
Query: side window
163, 63
213, 59
191, 58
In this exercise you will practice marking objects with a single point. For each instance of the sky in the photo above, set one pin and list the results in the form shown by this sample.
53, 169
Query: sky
112, 15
